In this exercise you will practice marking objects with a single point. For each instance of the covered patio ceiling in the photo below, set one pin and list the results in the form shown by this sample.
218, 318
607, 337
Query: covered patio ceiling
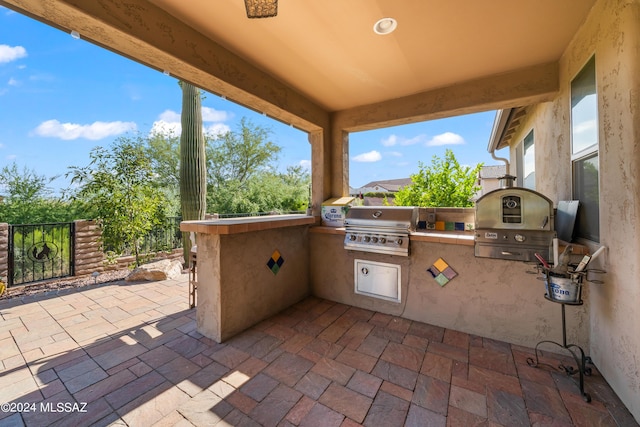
316, 59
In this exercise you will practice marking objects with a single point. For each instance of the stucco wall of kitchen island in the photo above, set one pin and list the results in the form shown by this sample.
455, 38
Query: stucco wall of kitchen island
492, 298
236, 287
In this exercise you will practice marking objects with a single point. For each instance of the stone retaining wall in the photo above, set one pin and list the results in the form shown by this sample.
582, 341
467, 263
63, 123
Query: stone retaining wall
4, 251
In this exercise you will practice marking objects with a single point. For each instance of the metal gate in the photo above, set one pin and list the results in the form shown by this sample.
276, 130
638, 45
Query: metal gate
39, 252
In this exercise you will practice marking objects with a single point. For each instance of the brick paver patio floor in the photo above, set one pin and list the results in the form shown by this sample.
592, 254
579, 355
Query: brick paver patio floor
129, 354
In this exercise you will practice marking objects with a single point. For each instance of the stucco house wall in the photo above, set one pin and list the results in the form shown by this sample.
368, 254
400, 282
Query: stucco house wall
612, 34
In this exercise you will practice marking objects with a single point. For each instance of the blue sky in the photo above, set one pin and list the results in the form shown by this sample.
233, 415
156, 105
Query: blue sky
61, 96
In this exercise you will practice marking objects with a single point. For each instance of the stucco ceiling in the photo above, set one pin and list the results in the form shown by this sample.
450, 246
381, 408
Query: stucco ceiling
326, 50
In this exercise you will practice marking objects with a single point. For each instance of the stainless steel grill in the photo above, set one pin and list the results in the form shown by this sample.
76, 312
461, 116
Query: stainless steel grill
380, 229
514, 223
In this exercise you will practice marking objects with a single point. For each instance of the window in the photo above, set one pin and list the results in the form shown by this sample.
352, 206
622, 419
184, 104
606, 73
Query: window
584, 151
528, 163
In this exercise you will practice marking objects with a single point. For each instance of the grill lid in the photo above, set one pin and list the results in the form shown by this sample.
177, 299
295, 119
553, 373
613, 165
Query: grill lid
382, 217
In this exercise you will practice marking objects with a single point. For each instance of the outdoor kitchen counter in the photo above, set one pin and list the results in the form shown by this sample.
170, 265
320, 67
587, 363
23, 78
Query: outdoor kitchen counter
494, 298
248, 269
447, 237
245, 224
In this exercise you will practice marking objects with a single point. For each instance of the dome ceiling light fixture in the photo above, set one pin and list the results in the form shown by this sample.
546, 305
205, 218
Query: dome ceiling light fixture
261, 8
385, 26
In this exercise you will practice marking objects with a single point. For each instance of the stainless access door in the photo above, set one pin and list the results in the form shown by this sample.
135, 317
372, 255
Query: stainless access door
377, 279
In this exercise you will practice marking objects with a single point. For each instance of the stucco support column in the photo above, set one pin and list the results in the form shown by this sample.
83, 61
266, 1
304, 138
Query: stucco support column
320, 169
339, 159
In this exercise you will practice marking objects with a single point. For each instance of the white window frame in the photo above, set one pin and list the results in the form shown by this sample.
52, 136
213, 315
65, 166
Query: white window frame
522, 172
584, 153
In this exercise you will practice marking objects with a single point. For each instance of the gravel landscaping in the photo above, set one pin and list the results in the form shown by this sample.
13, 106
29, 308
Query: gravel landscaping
65, 283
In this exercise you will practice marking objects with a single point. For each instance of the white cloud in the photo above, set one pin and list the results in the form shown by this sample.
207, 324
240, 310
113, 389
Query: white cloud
8, 53
13, 82
305, 164
94, 131
394, 153
11, 157
392, 140
447, 138
216, 129
164, 127
169, 122
212, 115
371, 156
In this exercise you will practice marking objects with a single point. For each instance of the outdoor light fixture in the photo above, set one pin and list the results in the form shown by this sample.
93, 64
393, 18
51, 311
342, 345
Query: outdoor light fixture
261, 8
75, 34
385, 26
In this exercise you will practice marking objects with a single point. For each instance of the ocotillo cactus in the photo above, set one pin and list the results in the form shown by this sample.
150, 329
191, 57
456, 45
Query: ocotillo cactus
193, 172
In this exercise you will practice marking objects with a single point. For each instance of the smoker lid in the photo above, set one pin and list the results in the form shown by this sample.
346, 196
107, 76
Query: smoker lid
382, 216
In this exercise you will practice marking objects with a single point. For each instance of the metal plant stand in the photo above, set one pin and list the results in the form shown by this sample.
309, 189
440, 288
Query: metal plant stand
576, 351
193, 279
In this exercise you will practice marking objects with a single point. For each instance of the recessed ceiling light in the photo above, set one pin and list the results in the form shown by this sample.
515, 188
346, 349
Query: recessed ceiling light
385, 26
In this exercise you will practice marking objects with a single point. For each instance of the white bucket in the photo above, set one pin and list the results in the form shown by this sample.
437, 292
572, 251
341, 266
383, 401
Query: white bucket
563, 289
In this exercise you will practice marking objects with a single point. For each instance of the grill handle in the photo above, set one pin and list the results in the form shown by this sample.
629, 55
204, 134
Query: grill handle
510, 253
545, 222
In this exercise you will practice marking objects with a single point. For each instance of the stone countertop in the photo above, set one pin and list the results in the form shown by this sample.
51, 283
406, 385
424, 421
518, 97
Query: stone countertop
246, 224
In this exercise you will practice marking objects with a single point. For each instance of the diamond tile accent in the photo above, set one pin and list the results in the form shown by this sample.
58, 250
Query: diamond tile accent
442, 272
275, 262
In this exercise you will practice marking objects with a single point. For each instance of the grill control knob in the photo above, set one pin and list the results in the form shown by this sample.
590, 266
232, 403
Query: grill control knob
398, 241
374, 240
366, 238
519, 238
383, 240
352, 237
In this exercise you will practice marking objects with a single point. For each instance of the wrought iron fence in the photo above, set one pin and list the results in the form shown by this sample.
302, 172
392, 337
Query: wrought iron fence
39, 252
164, 237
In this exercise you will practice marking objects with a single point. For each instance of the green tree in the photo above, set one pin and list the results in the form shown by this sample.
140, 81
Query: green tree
444, 184
119, 184
243, 176
240, 156
193, 166
163, 148
27, 199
